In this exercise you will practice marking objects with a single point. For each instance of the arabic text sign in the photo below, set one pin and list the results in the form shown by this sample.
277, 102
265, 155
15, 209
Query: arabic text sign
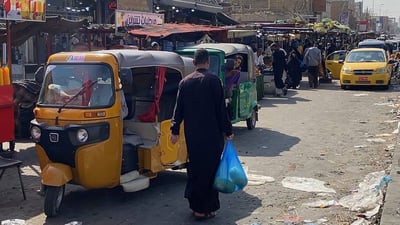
33, 10
132, 18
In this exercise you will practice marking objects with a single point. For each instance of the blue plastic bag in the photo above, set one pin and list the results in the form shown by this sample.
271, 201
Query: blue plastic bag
230, 176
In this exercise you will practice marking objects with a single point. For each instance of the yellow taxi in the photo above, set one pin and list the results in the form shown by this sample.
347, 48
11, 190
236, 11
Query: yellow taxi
365, 67
332, 64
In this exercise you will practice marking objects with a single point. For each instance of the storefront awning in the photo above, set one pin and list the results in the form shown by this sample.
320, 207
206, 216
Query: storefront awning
180, 31
22, 31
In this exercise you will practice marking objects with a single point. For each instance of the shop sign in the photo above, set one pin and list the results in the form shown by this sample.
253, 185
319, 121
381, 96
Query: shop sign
131, 18
30, 10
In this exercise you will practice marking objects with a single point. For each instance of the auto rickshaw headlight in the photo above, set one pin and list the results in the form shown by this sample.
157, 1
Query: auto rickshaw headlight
36, 133
82, 135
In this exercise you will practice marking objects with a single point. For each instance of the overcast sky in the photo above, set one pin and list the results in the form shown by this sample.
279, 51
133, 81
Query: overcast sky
389, 8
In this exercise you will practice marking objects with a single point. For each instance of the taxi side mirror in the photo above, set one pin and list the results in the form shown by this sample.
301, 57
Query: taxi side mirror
125, 74
341, 61
391, 61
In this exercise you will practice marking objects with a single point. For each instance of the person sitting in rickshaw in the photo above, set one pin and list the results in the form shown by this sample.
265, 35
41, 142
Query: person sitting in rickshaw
232, 76
56, 95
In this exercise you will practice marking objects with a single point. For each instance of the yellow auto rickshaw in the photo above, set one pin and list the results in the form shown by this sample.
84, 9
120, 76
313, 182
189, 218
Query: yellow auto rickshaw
83, 134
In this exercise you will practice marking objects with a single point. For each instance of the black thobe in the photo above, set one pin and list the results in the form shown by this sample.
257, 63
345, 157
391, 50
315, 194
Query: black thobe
200, 105
278, 65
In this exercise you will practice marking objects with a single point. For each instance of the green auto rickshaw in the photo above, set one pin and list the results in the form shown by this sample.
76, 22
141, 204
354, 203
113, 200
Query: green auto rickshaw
243, 101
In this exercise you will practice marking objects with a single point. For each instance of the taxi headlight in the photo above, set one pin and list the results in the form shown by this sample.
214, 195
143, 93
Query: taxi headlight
82, 135
36, 133
381, 70
346, 70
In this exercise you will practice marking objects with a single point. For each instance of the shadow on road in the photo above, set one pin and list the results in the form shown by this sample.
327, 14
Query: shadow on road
162, 203
262, 142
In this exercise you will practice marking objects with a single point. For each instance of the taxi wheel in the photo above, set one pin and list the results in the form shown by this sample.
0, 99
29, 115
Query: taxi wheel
53, 199
251, 122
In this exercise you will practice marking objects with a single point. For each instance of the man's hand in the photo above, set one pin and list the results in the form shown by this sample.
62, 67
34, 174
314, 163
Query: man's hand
174, 138
230, 137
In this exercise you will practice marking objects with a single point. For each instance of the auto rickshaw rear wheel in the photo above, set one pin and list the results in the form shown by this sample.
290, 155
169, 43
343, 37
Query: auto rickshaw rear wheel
53, 199
251, 121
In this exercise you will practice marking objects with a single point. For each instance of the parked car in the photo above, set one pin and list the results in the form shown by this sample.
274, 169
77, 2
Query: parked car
332, 64
366, 66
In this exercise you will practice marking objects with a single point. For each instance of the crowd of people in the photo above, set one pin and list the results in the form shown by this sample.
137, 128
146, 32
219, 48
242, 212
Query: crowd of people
296, 59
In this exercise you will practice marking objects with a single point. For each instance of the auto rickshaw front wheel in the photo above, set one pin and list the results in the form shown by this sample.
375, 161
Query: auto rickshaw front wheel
53, 199
252, 120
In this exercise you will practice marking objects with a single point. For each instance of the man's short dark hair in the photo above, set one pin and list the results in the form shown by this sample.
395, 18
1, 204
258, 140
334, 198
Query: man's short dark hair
201, 56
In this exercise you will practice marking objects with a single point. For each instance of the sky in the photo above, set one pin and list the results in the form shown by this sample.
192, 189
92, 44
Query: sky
389, 8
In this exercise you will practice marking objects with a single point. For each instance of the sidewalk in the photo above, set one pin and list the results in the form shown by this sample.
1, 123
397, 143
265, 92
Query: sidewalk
391, 206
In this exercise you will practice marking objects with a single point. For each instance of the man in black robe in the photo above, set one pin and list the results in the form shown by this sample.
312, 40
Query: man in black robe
201, 105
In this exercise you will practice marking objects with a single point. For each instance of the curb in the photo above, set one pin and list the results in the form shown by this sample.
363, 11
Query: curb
391, 207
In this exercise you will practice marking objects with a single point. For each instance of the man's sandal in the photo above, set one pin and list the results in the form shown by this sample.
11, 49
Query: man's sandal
203, 216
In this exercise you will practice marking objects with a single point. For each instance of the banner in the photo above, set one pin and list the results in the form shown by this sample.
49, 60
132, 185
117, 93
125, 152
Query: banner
131, 18
32, 10
344, 18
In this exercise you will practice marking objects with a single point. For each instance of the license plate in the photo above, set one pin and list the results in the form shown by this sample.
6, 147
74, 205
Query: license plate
363, 78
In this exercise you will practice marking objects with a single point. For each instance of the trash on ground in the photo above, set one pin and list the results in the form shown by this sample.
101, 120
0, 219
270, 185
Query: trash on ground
306, 184
369, 214
385, 103
321, 203
360, 95
290, 220
13, 222
255, 180
391, 121
369, 193
376, 140
390, 147
360, 146
383, 135
360, 221
322, 220
74, 223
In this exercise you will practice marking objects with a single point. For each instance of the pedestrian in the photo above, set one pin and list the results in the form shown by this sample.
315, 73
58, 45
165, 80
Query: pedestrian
279, 66
200, 105
232, 77
294, 71
330, 48
259, 58
155, 46
312, 58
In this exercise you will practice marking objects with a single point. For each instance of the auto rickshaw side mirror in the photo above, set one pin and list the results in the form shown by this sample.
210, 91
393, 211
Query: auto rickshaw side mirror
125, 74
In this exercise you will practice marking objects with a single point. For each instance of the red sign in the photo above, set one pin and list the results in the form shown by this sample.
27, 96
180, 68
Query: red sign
112, 5
363, 25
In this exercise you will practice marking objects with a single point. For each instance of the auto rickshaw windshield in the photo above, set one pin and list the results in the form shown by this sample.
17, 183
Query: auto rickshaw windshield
93, 82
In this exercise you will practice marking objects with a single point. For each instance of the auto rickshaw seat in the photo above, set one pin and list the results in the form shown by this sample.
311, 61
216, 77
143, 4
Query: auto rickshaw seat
148, 132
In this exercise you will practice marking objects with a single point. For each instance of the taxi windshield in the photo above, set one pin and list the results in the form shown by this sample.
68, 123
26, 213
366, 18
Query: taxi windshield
78, 85
366, 56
